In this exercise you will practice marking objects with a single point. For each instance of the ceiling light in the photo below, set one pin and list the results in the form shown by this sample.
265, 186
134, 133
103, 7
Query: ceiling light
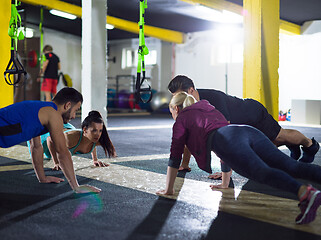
62, 14
230, 17
109, 26
211, 14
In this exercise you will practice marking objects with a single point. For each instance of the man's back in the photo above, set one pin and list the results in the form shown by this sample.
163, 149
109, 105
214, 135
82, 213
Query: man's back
19, 122
231, 107
242, 111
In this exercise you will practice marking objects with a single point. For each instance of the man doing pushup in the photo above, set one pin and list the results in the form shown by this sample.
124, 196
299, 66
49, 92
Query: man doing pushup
27, 120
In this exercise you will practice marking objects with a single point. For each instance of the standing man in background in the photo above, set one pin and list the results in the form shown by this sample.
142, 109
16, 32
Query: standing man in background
49, 73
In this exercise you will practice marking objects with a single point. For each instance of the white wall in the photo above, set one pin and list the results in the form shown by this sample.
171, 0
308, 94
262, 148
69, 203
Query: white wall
200, 58
300, 71
206, 59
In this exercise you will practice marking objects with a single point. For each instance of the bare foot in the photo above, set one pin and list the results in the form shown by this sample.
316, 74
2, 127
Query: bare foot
187, 169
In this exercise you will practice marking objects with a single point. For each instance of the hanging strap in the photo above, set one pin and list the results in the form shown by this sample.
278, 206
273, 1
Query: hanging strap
14, 66
142, 51
42, 58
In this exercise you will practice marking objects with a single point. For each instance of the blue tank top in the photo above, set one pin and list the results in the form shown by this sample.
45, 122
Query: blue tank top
19, 122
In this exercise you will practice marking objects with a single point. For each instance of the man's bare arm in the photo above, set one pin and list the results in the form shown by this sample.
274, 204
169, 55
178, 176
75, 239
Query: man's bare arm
37, 161
55, 127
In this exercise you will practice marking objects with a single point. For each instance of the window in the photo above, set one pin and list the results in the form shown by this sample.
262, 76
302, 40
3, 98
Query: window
130, 58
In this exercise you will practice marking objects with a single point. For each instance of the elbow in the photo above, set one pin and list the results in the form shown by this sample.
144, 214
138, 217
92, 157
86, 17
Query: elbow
62, 150
35, 147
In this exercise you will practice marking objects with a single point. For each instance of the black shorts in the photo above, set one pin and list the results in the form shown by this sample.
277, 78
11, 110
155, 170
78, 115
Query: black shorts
266, 123
253, 113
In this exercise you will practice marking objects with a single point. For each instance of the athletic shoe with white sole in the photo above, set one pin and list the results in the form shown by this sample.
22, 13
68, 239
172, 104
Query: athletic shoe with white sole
309, 152
309, 206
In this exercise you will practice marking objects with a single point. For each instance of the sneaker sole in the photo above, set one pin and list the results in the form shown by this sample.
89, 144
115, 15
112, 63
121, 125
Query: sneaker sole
311, 211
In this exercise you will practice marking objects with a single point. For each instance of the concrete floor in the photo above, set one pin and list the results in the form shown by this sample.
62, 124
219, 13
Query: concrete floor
128, 208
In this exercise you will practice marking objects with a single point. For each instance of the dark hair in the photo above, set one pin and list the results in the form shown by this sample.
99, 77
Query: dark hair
68, 94
180, 83
104, 140
47, 48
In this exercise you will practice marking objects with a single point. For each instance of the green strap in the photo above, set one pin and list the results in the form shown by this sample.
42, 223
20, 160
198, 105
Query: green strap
14, 66
42, 58
14, 26
142, 51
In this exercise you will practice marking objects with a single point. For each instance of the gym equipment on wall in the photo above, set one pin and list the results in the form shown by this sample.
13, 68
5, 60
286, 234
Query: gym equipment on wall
15, 69
42, 56
142, 51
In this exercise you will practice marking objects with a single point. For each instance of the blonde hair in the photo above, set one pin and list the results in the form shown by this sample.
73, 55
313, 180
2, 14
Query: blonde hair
182, 100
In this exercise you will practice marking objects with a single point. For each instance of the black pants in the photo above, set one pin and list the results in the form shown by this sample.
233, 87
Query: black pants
251, 154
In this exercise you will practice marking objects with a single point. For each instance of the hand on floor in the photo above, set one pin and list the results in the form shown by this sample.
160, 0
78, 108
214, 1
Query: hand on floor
56, 167
218, 186
51, 179
100, 164
87, 189
216, 176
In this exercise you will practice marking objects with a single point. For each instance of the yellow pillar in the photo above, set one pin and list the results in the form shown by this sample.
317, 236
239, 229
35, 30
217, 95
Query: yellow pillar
6, 91
261, 53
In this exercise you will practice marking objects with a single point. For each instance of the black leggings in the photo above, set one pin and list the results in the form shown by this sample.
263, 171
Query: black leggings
251, 154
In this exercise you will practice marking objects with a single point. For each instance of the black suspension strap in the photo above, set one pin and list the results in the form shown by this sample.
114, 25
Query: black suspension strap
141, 83
14, 66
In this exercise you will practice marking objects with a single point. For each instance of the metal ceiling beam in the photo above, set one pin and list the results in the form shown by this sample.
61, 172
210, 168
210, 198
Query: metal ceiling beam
285, 27
56, 4
289, 28
160, 33
217, 4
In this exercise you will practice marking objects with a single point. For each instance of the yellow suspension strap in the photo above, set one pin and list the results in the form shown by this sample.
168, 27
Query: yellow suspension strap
142, 51
14, 66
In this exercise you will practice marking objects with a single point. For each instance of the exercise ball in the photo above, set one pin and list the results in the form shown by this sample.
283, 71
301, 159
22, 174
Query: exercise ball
160, 101
122, 99
111, 94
